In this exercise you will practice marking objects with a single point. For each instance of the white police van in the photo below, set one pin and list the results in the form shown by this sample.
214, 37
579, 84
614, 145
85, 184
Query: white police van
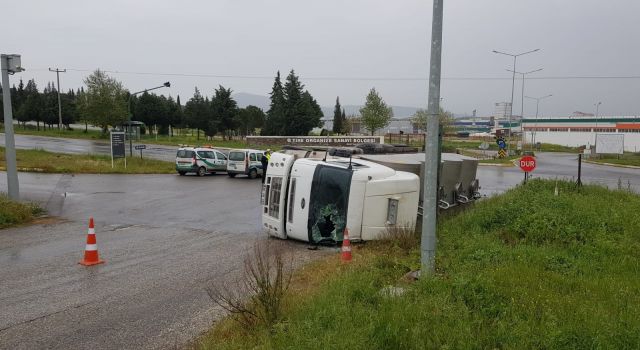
200, 160
246, 162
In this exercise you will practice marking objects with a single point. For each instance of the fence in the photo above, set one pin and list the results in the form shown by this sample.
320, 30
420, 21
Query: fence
415, 140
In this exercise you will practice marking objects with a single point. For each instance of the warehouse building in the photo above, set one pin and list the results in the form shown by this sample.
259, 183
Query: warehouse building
582, 130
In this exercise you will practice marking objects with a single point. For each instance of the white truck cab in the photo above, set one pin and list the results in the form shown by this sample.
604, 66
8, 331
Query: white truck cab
314, 200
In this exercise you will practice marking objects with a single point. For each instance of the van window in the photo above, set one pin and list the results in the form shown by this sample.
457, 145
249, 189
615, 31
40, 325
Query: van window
185, 154
252, 157
206, 154
237, 156
274, 197
221, 156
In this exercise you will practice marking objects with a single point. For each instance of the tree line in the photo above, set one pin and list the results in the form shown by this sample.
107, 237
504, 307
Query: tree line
104, 102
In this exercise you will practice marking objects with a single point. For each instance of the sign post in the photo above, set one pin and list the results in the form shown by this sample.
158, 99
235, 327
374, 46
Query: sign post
502, 145
527, 164
118, 147
140, 147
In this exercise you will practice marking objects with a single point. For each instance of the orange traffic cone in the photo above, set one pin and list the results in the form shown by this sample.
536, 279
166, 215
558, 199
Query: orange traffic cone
91, 251
346, 246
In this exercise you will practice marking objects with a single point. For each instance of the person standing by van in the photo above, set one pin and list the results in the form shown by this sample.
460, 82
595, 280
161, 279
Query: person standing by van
265, 162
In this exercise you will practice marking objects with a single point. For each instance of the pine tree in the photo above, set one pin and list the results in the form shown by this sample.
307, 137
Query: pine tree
196, 112
375, 114
32, 107
275, 120
345, 126
337, 117
224, 109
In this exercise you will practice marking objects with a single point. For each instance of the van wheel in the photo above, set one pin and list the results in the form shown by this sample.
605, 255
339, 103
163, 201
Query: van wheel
181, 173
231, 175
253, 174
202, 171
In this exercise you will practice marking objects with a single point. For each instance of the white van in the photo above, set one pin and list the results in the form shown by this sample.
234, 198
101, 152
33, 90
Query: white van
246, 162
200, 160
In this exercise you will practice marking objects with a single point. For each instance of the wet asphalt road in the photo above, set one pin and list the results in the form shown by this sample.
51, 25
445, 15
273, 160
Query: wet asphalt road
76, 146
563, 166
165, 238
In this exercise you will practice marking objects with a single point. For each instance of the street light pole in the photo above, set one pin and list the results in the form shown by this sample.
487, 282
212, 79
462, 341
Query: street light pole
10, 64
538, 99
166, 84
522, 96
513, 82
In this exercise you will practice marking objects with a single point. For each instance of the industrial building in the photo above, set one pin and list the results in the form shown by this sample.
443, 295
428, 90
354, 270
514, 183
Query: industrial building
582, 130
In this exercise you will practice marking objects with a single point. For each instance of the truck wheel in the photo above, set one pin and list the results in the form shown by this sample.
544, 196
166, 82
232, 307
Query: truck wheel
181, 173
202, 171
253, 174
231, 175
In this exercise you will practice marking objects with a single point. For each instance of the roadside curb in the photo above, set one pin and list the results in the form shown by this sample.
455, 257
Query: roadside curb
613, 164
503, 165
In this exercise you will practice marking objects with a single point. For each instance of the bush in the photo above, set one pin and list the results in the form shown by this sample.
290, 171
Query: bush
14, 213
266, 278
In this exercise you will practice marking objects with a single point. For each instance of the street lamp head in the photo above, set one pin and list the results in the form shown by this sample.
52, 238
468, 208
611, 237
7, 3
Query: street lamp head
167, 84
13, 63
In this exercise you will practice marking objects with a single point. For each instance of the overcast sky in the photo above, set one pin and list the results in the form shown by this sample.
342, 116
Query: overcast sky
340, 39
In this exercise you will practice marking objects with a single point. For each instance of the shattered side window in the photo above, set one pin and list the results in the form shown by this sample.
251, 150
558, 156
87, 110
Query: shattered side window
274, 197
328, 204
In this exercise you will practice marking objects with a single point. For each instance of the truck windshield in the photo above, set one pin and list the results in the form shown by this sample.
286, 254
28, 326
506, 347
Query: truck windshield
237, 156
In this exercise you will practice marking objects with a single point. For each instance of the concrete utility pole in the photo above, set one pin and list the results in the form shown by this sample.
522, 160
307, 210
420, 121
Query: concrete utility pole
58, 71
10, 64
432, 147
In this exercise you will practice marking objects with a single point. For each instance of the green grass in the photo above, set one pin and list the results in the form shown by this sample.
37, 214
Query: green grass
182, 136
624, 159
524, 270
49, 162
15, 213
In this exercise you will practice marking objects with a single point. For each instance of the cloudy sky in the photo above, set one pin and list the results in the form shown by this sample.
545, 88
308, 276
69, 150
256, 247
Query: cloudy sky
341, 48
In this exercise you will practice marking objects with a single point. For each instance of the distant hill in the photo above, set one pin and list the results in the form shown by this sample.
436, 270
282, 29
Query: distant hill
245, 99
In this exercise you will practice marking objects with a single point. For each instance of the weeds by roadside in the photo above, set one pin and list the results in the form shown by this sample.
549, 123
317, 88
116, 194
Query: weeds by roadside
255, 300
15, 213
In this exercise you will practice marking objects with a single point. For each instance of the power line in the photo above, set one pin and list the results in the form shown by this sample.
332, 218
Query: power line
330, 78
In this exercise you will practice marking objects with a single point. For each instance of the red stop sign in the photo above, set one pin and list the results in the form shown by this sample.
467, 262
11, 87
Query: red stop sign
527, 164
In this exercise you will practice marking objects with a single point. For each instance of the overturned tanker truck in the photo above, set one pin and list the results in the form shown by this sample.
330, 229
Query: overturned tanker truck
311, 196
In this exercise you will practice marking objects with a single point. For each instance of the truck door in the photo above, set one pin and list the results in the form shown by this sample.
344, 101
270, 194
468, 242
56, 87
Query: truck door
274, 195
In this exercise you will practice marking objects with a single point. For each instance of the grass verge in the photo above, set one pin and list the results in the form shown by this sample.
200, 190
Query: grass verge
15, 213
624, 159
49, 162
186, 137
524, 270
